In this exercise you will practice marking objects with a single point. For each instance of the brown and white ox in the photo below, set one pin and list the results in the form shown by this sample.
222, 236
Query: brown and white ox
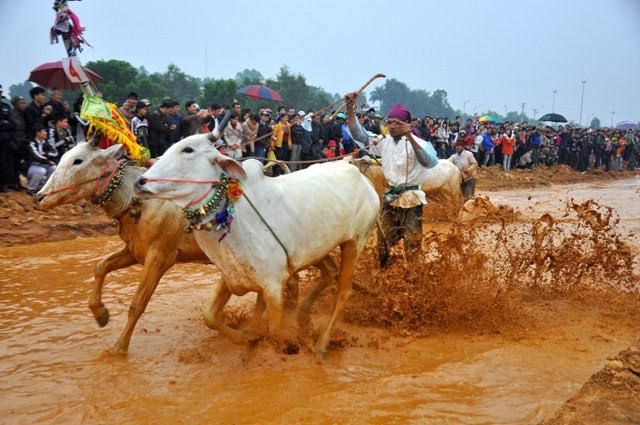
156, 240
282, 225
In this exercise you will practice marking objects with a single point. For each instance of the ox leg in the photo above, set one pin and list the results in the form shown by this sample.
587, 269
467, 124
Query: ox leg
290, 301
291, 293
221, 295
273, 298
118, 260
155, 266
349, 255
328, 272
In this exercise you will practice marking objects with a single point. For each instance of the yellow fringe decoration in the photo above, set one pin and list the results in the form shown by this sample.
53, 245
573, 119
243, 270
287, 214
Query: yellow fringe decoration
116, 130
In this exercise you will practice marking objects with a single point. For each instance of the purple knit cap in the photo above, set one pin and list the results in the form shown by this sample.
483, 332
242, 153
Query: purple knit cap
399, 112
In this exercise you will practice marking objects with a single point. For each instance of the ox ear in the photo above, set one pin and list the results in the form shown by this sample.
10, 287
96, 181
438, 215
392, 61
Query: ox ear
116, 151
231, 167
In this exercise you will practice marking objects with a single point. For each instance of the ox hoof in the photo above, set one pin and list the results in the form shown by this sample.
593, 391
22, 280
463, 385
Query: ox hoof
117, 350
103, 319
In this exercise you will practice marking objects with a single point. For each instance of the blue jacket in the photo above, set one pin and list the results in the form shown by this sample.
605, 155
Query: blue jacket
535, 140
487, 143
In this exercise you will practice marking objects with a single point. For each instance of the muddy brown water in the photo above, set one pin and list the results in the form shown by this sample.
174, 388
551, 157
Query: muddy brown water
53, 369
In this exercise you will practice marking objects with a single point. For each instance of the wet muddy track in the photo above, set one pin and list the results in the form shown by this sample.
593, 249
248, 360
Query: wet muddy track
517, 370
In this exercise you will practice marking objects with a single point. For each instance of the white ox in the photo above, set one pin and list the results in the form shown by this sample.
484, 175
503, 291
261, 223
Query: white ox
282, 225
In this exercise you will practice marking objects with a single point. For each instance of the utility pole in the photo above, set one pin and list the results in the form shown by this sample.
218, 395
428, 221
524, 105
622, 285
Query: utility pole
582, 101
522, 113
535, 112
553, 107
206, 62
612, 114
464, 106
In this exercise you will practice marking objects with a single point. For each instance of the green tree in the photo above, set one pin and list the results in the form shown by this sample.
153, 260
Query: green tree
223, 92
21, 90
595, 123
118, 78
249, 76
177, 85
292, 88
394, 92
151, 90
513, 116
376, 96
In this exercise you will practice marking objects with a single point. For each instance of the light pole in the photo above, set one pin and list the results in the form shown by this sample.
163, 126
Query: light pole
553, 107
612, 114
464, 106
582, 101
588, 119
522, 113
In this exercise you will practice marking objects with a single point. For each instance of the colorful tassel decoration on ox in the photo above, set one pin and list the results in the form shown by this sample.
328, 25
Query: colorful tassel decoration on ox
105, 118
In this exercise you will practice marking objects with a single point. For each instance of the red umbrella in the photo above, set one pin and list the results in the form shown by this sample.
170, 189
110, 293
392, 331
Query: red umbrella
52, 75
261, 92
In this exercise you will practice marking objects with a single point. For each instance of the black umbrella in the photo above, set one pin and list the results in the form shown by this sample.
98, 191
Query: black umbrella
552, 118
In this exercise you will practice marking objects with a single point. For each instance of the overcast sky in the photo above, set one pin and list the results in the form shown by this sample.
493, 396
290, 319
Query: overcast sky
490, 54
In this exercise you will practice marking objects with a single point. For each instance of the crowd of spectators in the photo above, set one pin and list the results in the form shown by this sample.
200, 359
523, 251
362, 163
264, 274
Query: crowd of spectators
33, 138
300, 137
520, 145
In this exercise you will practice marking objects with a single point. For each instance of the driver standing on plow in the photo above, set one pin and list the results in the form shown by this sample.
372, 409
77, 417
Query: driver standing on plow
405, 159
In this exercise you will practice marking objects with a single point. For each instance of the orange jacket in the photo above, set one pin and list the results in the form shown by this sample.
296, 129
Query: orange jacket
507, 143
278, 135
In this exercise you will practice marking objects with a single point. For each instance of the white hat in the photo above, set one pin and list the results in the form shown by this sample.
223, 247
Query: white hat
302, 113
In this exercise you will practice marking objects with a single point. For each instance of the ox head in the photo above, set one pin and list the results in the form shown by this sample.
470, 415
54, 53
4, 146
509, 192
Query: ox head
186, 171
76, 174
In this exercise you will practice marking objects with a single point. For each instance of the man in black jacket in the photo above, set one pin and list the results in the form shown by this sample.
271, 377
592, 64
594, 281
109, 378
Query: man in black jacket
57, 107
159, 129
6, 129
60, 137
264, 128
41, 165
36, 112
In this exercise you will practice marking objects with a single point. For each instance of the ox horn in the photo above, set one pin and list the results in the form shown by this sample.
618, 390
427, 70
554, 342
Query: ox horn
95, 139
217, 132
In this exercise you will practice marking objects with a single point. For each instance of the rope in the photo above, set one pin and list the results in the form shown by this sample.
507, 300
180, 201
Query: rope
214, 184
309, 161
159, 179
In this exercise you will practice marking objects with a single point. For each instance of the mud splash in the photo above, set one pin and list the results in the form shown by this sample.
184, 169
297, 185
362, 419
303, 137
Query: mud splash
475, 276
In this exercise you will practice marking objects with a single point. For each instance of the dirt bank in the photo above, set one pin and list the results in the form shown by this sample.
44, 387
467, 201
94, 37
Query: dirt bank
21, 222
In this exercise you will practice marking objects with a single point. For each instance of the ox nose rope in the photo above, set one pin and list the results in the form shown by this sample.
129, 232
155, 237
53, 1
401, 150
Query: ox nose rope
214, 185
112, 184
